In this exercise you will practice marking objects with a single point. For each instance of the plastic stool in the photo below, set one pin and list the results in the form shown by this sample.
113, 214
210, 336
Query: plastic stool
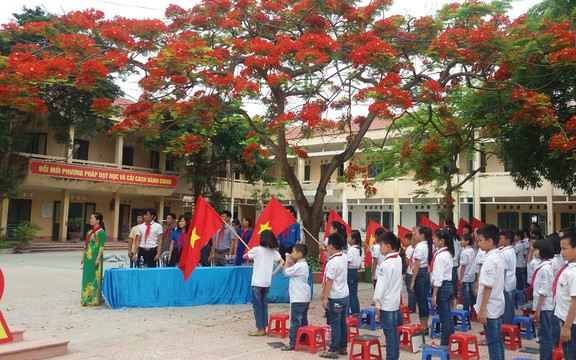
369, 320
366, 342
404, 332
353, 327
277, 325
405, 314
462, 319
313, 338
429, 352
509, 333
520, 298
527, 312
463, 351
558, 354
435, 325
529, 328
432, 309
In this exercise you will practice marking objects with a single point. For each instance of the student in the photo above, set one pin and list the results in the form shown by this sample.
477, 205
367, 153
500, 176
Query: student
177, 240
440, 270
335, 297
408, 279
389, 291
557, 263
354, 256
564, 293
420, 278
490, 303
449, 225
336, 227
375, 252
467, 274
520, 250
264, 257
541, 284
298, 271
509, 257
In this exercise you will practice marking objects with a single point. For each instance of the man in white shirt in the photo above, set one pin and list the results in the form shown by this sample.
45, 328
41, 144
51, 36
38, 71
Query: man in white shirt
149, 239
509, 257
520, 250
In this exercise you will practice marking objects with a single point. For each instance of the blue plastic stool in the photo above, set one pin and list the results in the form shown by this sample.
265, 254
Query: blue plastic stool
429, 352
435, 323
462, 319
432, 310
529, 329
370, 320
520, 298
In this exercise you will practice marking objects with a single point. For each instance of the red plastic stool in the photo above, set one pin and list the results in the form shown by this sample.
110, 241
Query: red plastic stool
313, 338
366, 342
353, 327
277, 325
463, 351
511, 336
558, 354
404, 332
405, 314
528, 313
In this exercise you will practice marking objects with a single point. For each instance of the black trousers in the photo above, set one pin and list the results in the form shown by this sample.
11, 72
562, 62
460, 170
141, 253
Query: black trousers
148, 255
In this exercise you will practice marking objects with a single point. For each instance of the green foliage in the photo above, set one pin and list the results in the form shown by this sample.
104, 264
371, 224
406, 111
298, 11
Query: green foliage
74, 224
5, 245
25, 231
262, 197
314, 263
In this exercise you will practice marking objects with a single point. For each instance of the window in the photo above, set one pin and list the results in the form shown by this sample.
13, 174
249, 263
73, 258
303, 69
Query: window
374, 215
388, 220
170, 162
341, 170
508, 221
34, 143
374, 171
508, 165
80, 149
567, 220
323, 169
128, 156
307, 173
483, 161
154, 159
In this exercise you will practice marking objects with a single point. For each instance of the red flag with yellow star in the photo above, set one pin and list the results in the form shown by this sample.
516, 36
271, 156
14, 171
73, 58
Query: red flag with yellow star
370, 240
5, 334
205, 222
274, 217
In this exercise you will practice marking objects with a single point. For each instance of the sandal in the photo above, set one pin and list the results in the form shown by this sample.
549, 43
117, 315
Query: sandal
289, 347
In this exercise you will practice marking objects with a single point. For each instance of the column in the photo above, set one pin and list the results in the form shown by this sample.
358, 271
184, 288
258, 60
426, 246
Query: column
119, 151
4, 216
344, 206
64, 215
396, 205
113, 233
160, 210
477, 206
70, 152
300, 170
550, 208
162, 163
232, 181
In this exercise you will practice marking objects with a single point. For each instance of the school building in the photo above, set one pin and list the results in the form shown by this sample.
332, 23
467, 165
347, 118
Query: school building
116, 176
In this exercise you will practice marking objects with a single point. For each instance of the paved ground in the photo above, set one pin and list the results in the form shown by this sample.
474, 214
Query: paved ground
42, 295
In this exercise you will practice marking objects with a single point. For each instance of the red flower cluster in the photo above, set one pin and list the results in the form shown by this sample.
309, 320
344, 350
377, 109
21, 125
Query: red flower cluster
432, 91
535, 107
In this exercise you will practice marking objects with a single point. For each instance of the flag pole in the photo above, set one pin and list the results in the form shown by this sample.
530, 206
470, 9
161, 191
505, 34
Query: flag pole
308, 232
236, 233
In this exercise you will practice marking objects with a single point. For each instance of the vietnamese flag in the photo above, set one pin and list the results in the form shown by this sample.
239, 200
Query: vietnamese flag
402, 232
333, 217
5, 334
461, 224
476, 224
424, 221
274, 217
370, 241
205, 222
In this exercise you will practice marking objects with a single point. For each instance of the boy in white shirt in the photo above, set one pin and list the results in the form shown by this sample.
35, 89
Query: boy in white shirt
541, 283
409, 271
520, 250
564, 289
509, 257
298, 271
335, 297
467, 274
388, 292
490, 303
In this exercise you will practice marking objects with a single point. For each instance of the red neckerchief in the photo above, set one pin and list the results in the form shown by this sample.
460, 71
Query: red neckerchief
324, 275
285, 235
181, 239
169, 231
536, 272
434, 258
147, 233
94, 231
220, 235
556, 280
412, 259
245, 234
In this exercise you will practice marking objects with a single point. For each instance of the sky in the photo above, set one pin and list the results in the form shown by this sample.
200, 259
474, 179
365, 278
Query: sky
141, 9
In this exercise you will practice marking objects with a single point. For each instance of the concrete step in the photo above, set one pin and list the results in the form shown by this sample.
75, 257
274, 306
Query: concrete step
33, 347
46, 246
17, 334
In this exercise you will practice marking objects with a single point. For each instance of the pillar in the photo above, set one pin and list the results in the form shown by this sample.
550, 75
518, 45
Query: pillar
160, 210
119, 151
477, 179
396, 205
113, 234
550, 208
162, 163
64, 215
232, 182
300, 171
70, 153
4, 216
344, 206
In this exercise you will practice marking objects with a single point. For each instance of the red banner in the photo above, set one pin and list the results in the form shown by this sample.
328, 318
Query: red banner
105, 175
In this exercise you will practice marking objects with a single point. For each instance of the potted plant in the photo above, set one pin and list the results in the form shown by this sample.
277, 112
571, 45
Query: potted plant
24, 232
74, 226
125, 230
316, 267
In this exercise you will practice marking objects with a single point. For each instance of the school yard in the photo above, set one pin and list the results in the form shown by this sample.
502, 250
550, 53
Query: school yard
43, 291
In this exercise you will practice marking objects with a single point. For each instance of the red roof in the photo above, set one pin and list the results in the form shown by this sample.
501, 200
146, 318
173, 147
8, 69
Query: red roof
122, 102
377, 124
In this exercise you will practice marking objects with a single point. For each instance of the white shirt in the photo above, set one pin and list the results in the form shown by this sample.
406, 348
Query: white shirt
264, 259
389, 285
375, 252
421, 253
337, 271
533, 265
492, 276
353, 255
441, 267
543, 286
520, 250
152, 240
479, 259
509, 258
557, 263
467, 260
565, 289
409, 252
299, 289
457, 252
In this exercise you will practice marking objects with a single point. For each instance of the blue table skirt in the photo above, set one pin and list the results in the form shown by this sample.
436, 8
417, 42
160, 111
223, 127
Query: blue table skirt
162, 287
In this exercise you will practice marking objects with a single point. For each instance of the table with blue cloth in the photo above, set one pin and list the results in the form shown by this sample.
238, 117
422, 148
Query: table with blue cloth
162, 287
